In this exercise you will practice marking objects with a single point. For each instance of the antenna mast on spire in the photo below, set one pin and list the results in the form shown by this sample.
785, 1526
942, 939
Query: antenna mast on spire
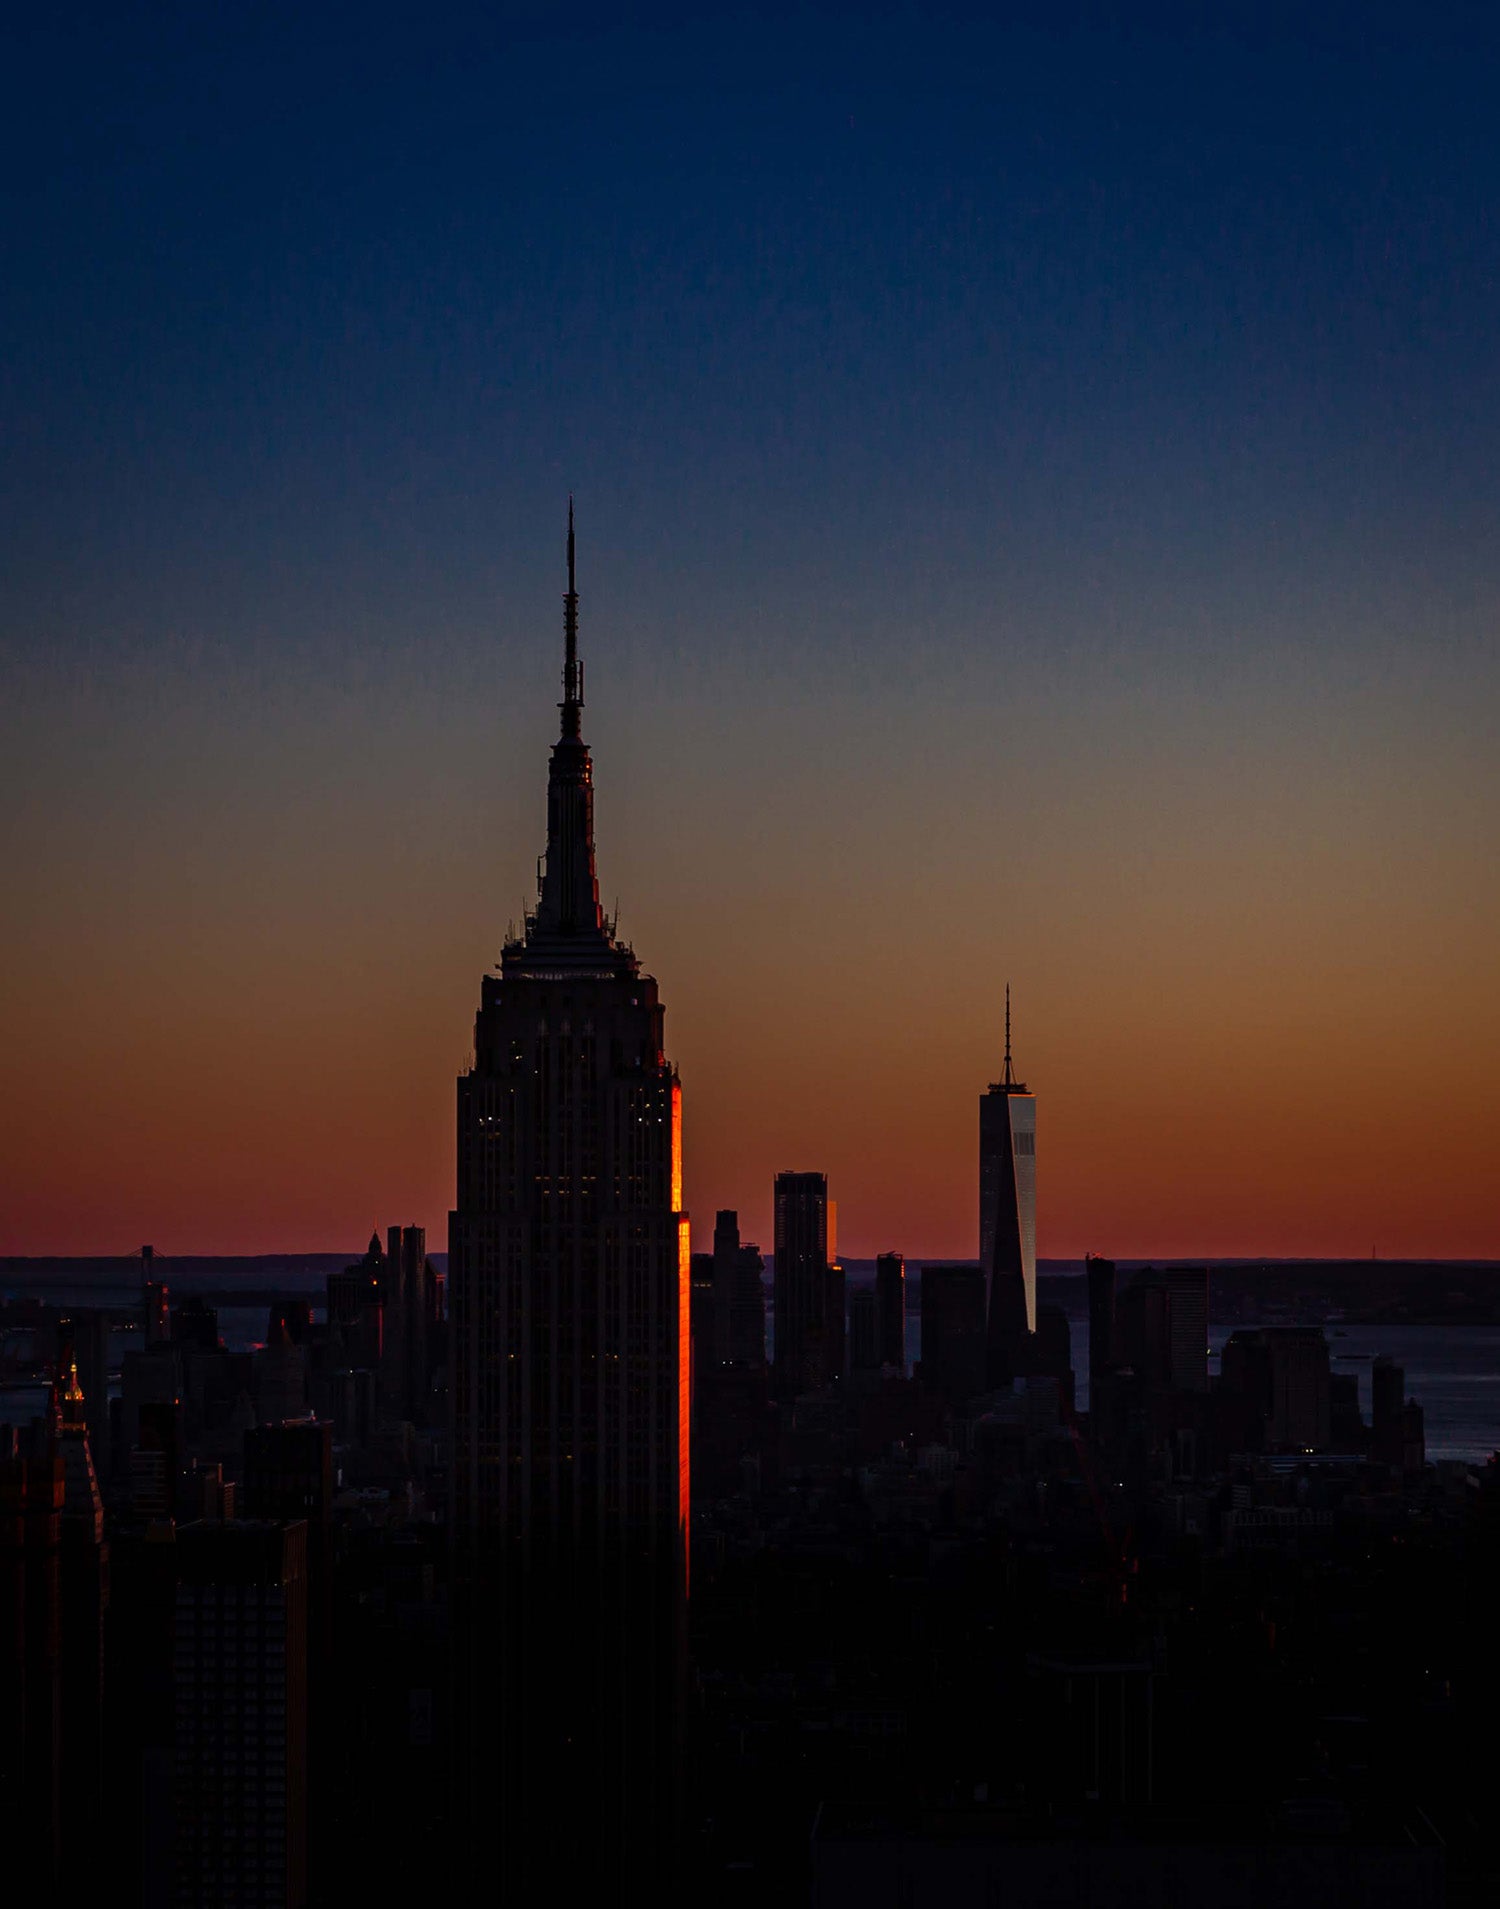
572, 668
1008, 1077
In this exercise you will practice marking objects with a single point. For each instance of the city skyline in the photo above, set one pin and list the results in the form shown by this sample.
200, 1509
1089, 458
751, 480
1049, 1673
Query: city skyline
941, 1235
1114, 617
869, 1220
964, 1365
874, 1234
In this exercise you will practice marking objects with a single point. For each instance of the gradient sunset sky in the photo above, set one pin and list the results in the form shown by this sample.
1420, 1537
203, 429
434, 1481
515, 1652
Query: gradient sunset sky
1037, 476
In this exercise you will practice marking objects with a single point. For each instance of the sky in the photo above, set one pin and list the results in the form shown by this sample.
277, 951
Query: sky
1037, 488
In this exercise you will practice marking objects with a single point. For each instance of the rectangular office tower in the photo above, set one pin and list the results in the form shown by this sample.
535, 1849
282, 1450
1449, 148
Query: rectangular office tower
739, 1297
890, 1310
239, 1668
1100, 1275
809, 1286
569, 1297
1007, 1217
953, 1332
1187, 1327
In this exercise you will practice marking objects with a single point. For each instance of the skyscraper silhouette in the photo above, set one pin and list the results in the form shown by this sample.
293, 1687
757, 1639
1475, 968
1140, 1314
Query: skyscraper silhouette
864, 1334
739, 1295
1100, 1273
890, 1310
1007, 1216
569, 1293
953, 1332
239, 1675
809, 1286
1187, 1326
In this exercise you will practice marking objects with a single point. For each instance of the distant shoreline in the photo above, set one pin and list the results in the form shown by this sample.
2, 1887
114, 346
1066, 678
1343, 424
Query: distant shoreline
1249, 1291
69, 1265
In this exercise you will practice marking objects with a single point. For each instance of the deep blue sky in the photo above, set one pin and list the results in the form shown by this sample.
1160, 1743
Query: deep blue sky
343, 300
1037, 474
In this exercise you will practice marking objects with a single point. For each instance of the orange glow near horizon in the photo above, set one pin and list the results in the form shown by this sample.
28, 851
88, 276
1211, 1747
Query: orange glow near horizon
1215, 1139
1004, 553
1257, 1010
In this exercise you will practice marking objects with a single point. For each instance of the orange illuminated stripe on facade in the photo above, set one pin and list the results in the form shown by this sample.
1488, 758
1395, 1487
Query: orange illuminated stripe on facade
676, 1148
684, 1371
684, 1324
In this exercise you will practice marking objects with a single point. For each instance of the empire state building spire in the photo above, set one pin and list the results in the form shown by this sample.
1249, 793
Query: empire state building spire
569, 1314
572, 701
568, 910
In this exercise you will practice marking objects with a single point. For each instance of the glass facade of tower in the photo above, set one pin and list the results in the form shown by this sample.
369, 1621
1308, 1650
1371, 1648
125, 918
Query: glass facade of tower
1007, 1220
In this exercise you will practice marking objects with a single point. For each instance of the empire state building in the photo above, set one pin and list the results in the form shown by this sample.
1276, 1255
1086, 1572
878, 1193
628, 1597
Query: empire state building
569, 1296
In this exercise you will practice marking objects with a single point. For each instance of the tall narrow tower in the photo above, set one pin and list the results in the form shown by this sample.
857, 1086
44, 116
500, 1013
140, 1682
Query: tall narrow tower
809, 1286
569, 1292
1007, 1216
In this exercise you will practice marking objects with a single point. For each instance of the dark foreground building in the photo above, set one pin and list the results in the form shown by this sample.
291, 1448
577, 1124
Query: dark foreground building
1100, 1273
969, 1859
239, 1667
568, 1262
953, 1355
890, 1310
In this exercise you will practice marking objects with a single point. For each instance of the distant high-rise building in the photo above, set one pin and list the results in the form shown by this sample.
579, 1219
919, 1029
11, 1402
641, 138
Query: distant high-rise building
1245, 1389
155, 1317
1300, 1402
721, 1263
739, 1295
294, 1318
1346, 1428
864, 1335
1187, 1327
1100, 1275
890, 1310
1281, 1375
356, 1309
747, 1308
953, 1332
703, 1323
1387, 1403
809, 1286
1052, 1353
568, 1303
405, 1281
1413, 1438
1397, 1429
1143, 1327
195, 1323
240, 1743
1007, 1216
